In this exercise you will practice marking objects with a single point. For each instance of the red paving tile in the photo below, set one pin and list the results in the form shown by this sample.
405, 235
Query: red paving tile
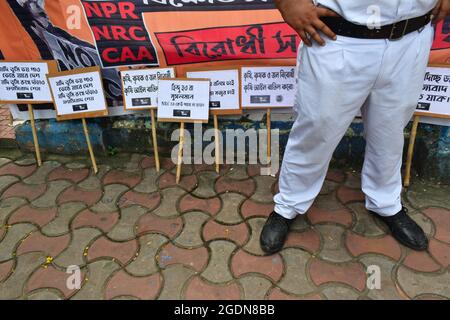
252, 208
347, 195
198, 289
152, 223
190, 203
74, 175
51, 277
23, 190
246, 187
318, 215
168, 179
6, 131
122, 177
16, 170
353, 274
52, 246
41, 217
308, 240
441, 252
147, 162
150, 201
89, 197
358, 245
121, 251
102, 221
270, 266
6, 269
421, 261
277, 294
441, 220
237, 233
193, 258
335, 176
123, 284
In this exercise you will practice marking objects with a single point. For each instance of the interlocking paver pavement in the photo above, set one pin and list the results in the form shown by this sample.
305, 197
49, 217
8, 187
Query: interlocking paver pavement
6, 130
135, 234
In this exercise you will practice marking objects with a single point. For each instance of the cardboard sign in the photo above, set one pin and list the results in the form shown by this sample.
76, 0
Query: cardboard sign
268, 87
25, 82
224, 90
434, 101
78, 94
140, 87
183, 100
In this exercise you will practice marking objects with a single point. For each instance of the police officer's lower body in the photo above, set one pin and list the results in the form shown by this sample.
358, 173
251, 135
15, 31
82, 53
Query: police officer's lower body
382, 79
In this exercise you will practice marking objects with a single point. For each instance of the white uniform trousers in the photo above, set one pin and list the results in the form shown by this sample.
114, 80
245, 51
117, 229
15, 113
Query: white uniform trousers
381, 78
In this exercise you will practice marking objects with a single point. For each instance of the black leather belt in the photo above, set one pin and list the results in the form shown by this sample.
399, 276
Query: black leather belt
394, 31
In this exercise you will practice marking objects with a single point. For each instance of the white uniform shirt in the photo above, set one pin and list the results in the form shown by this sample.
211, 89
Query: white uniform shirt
389, 11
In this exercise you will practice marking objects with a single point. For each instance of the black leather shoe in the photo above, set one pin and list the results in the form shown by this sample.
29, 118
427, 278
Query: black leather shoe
406, 230
274, 233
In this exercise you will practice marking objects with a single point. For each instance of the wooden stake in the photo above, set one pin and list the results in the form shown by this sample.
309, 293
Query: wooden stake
269, 136
88, 141
11, 120
217, 142
412, 140
155, 140
35, 137
180, 152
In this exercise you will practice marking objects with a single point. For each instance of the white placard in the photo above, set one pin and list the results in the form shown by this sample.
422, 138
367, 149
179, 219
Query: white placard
268, 87
78, 94
435, 97
140, 87
24, 82
183, 100
224, 89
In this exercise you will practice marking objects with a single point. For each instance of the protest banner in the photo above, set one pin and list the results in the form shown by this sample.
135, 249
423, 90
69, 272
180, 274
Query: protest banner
26, 82
224, 89
434, 101
225, 97
79, 94
268, 87
140, 87
140, 92
183, 100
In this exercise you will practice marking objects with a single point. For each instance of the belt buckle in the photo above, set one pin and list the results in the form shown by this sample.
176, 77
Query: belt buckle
398, 26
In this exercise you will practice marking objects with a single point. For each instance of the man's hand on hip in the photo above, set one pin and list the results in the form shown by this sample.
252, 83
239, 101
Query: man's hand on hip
441, 10
304, 17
